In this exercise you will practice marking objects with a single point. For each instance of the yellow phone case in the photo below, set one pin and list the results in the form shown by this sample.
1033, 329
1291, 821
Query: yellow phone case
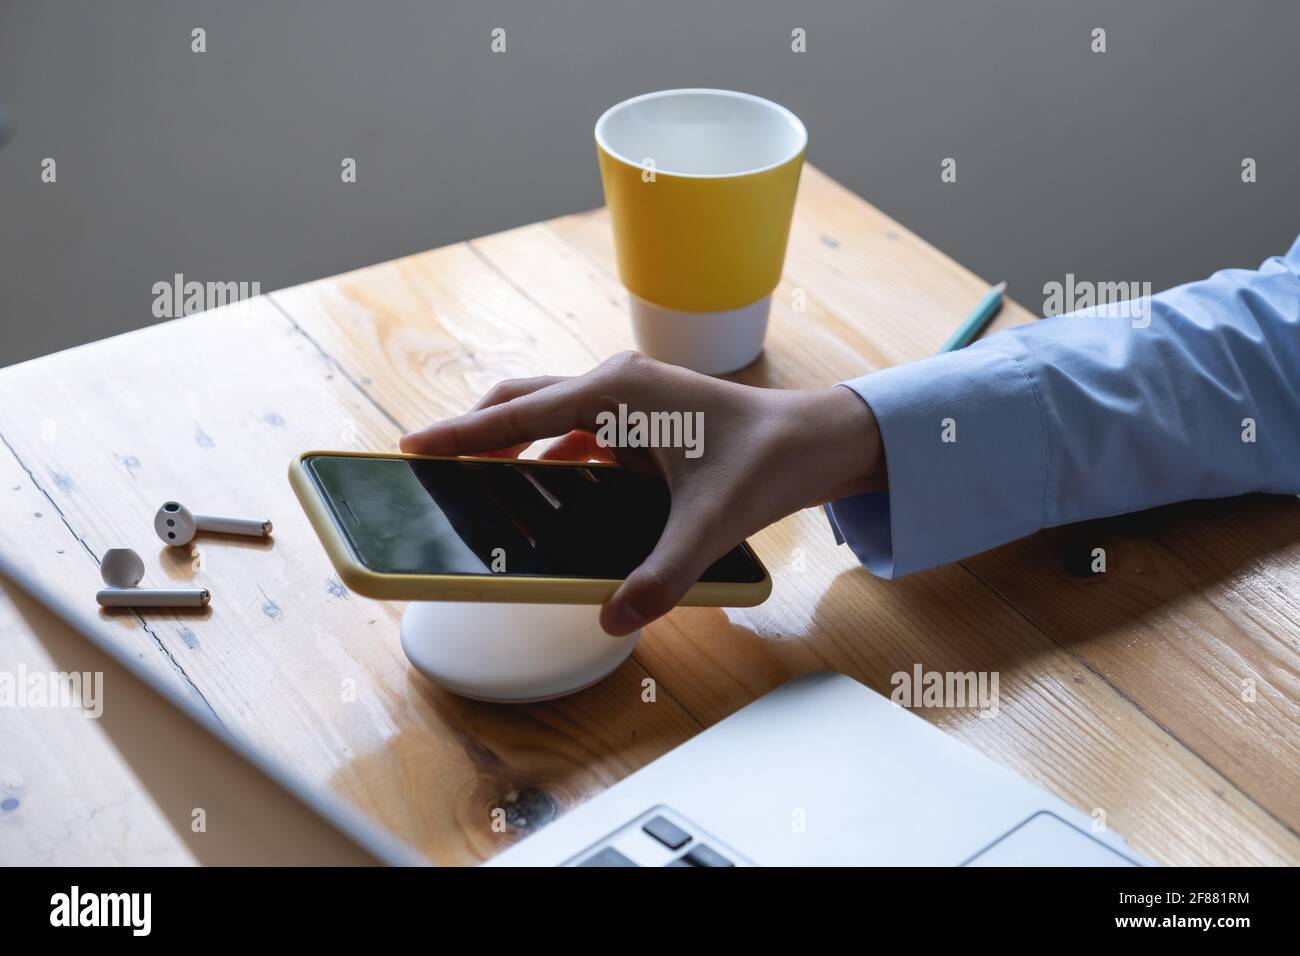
486, 587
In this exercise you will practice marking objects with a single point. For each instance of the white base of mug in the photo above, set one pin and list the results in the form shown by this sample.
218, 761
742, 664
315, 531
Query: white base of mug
710, 342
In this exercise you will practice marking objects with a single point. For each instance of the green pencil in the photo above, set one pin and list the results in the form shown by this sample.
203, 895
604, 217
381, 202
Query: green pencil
975, 322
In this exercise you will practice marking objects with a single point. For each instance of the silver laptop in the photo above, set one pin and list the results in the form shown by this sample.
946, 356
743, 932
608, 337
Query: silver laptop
821, 771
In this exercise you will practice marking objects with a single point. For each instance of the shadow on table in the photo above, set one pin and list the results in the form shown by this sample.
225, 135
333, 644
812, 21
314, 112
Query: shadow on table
993, 613
1153, 559
178, 563
187, 613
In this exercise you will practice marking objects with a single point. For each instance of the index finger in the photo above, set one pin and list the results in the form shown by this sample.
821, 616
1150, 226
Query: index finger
554, 410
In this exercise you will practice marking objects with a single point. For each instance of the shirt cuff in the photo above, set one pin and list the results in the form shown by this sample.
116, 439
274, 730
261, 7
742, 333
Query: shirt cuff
966, 456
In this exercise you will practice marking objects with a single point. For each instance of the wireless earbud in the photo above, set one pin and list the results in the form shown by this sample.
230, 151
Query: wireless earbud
122, 569
177, 525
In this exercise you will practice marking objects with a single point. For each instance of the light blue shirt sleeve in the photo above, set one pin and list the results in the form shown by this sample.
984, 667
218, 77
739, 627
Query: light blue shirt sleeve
1194, 394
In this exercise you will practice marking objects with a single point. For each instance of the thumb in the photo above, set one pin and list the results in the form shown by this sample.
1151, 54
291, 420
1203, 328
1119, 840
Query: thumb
688, 545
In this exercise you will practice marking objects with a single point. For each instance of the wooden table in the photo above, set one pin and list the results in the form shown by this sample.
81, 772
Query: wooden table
1128, 694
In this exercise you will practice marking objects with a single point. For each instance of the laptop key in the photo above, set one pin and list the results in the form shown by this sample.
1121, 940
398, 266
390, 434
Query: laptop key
607, 857
667, 833
706, 856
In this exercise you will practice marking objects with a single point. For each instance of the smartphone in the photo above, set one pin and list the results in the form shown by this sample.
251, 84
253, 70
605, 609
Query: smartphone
409, 527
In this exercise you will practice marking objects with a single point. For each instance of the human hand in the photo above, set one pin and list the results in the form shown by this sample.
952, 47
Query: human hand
766, 453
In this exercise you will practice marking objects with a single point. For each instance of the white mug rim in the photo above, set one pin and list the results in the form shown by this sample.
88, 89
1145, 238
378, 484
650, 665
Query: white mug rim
801, 131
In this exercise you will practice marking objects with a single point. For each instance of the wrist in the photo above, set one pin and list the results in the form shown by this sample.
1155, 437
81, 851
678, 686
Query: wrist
864, 449
847, 454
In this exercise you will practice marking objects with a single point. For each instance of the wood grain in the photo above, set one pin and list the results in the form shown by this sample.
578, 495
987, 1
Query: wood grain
1197, 617
286, 656
1115, 693
66, 796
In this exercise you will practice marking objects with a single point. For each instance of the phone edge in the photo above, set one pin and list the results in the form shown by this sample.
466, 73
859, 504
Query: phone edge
493, 588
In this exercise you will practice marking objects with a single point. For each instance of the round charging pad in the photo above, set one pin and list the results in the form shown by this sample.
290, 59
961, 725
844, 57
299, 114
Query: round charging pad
511, 653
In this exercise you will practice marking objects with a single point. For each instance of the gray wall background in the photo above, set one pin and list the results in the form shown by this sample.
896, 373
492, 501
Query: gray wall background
225, 165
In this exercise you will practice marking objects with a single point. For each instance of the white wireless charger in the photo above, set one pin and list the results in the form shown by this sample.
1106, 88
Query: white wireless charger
511, 653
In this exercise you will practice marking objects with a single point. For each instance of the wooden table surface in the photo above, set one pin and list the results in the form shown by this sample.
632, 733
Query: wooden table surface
1160, 697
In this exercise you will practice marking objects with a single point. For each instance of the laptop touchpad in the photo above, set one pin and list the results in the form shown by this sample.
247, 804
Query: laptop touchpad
1047, 840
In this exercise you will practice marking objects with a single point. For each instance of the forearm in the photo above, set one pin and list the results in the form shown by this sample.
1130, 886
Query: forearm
1086, 415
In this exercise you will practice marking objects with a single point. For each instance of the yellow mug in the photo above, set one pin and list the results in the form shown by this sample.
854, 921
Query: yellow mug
700, 186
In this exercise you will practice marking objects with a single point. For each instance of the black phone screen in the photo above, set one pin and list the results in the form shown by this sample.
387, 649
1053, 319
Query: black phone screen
421, 516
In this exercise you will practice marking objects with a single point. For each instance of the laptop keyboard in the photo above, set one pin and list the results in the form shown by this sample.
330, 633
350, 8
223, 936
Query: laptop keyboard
659, 837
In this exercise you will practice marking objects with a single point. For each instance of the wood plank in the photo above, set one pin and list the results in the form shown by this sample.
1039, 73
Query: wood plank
1058, 723
431, 331
1197, 617
66, 797
211, 409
